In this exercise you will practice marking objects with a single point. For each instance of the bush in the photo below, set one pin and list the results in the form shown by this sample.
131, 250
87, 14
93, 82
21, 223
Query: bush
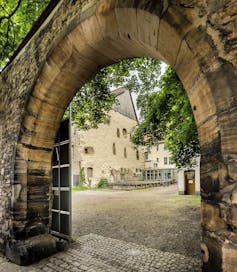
82, 177
103, 183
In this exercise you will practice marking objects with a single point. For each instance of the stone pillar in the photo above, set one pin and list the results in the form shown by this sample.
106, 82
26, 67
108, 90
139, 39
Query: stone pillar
219, 176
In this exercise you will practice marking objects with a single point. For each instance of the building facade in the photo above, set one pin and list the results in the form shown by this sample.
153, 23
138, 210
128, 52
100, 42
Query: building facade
107, 152
159, 165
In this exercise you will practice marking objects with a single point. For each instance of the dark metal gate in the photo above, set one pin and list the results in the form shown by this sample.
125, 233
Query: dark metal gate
61, 209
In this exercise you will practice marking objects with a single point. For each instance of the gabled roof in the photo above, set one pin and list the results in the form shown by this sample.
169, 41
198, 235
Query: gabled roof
124, 103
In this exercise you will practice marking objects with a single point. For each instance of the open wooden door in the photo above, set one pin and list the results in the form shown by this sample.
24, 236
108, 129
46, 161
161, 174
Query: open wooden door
189, 177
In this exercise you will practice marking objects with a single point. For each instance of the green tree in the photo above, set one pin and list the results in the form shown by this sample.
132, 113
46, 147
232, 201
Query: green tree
16, 19
169, 116
92, 103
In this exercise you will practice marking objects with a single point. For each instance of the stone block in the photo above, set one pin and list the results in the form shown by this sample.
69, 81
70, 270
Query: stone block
234, 215
229, 253
212, 254
211, 217
25, 252
234, 196
148, 34
169, 42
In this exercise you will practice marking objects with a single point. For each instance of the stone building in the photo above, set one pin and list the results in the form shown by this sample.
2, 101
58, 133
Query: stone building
107, 152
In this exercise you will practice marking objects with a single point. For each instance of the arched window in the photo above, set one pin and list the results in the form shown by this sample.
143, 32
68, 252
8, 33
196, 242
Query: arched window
125, 152
118, 132
124, 132
114, 149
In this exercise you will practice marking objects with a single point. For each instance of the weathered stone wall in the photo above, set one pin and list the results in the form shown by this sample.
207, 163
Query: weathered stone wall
102, 160
198, 38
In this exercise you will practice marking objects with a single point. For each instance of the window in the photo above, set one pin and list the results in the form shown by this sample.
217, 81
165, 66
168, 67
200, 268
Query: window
156, 174
114, 149
125, 152
89, 150
137, 154
165, 160
148, 174
151, 175
124, 132
89, 172
146, 156
167, 174
118, 132
155, 164
157, 159
157, 148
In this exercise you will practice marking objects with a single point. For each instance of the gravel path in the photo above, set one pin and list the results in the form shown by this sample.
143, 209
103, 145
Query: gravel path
156, 218
152, 230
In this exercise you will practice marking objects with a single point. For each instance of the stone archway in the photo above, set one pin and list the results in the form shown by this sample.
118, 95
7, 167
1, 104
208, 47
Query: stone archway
73, 42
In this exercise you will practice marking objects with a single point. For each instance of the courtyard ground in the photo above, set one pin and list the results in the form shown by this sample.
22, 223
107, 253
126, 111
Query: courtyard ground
157, 218
127, 231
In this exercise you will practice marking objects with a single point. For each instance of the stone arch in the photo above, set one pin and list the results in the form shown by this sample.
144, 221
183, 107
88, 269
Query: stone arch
91, 34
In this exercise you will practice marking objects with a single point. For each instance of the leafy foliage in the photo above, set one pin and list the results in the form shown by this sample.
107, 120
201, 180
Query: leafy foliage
82, 177
103, 183
93, 101
138, 75
16, 19
170, 117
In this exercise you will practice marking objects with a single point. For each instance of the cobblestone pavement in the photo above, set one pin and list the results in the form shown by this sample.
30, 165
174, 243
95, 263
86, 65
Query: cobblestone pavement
157, 218
94, 253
